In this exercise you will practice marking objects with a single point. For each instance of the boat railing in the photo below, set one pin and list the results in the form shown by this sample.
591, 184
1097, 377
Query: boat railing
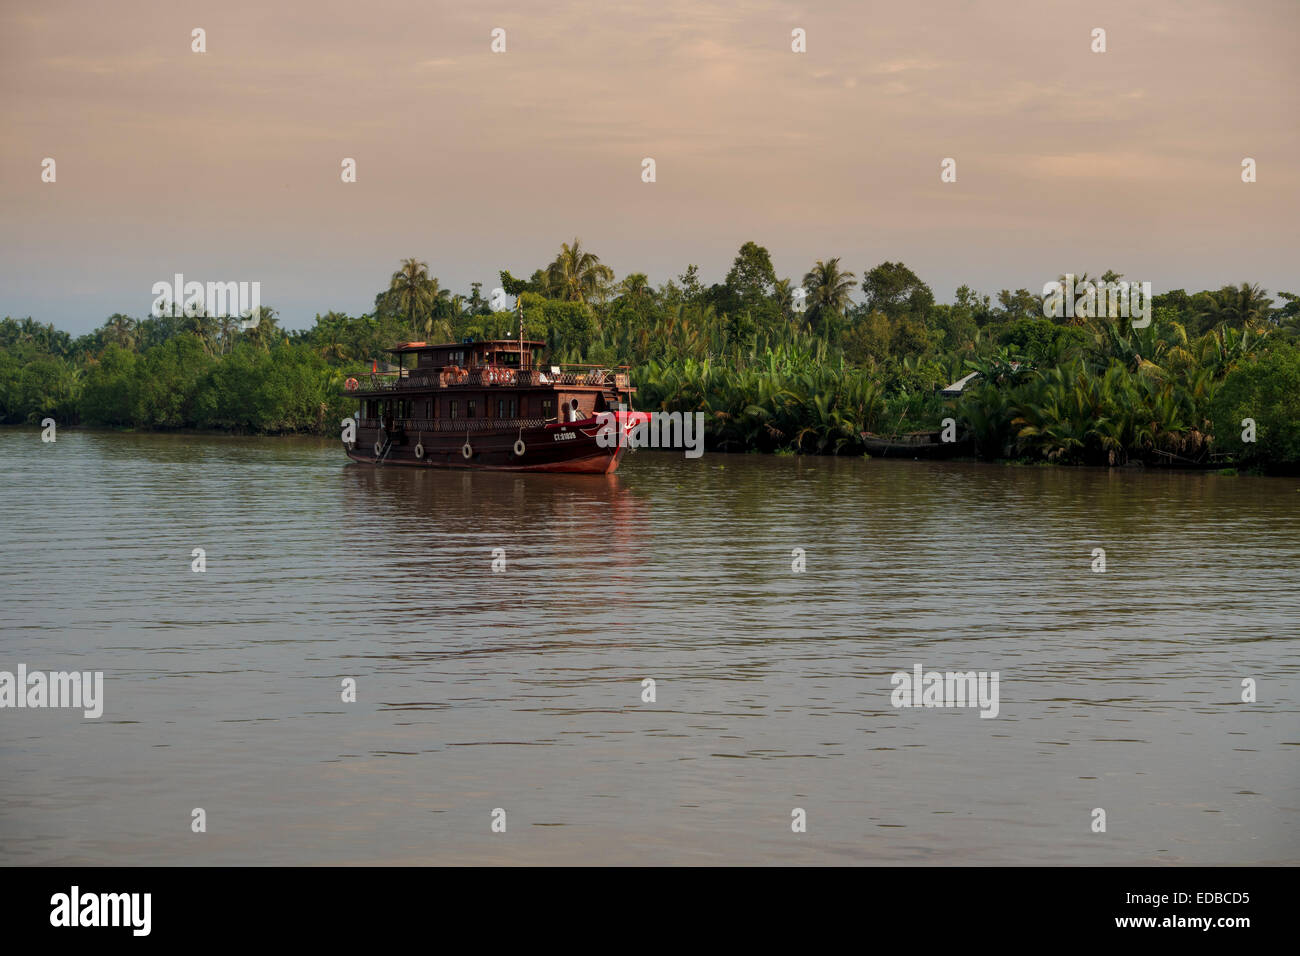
459, 425
490, 375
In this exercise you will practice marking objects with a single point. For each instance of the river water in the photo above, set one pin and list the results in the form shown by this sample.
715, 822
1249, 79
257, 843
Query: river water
522, 689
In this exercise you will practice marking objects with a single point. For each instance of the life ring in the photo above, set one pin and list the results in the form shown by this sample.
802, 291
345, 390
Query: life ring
352, 385
419, 450
466, 451
520, 448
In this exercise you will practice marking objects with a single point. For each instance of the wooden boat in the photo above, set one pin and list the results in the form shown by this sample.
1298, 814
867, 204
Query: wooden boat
915, 445
491, 405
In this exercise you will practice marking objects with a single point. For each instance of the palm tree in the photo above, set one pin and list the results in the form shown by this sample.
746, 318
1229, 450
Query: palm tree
225, 330
828, 292
576, 275
413, 292
636, 286
329, 329
121, 330
202, 325
1246, 304
1079, 278
266, 330
440, 299
441, 307
438, 329
1222, 348
783, 293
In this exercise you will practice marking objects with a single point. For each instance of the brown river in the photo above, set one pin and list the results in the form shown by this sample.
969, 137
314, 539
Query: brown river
769, 599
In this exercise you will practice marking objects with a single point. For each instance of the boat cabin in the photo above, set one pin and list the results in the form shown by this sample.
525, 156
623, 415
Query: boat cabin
493, 385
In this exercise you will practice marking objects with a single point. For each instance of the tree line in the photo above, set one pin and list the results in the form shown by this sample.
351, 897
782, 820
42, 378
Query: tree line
777, 364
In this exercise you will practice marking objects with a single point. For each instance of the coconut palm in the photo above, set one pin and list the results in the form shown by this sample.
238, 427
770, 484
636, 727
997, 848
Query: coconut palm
201, 325
1239, 306
225, 331
636, 286
264, 328
1079, 279
329, 332
441, 301
413, 293
1222, 348
121, 330
438, 329
828, 291
783, 293
576, 275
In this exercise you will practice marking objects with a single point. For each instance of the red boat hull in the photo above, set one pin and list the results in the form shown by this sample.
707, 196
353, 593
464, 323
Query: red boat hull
570, 448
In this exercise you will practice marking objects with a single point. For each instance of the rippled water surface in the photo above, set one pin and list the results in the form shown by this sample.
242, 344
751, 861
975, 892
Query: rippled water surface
522, 690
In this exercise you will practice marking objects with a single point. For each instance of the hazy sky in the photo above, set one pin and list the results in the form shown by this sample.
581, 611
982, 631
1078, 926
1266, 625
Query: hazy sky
226, 165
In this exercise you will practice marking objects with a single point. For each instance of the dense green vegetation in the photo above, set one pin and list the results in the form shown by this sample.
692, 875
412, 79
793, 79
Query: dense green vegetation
775, 364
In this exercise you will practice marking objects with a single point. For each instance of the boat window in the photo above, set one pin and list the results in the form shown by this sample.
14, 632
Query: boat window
548, 408
469, 408
451, 408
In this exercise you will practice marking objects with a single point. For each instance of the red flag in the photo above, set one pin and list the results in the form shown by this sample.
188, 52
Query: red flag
374, 366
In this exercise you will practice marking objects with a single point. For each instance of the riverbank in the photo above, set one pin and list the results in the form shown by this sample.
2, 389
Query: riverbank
1013, 462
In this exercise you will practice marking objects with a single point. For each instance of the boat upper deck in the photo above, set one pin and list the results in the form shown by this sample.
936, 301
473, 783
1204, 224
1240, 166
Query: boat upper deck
492, 364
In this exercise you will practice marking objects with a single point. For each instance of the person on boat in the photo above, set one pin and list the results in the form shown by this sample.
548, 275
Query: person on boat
573, 411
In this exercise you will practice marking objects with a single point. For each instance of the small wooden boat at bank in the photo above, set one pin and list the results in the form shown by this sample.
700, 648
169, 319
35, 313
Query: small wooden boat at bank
914, 445
491, 405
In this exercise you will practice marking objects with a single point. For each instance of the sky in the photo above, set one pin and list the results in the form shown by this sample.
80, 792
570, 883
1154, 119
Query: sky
226, 165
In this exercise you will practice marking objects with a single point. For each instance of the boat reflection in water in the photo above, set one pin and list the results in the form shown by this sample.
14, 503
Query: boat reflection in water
552, 539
